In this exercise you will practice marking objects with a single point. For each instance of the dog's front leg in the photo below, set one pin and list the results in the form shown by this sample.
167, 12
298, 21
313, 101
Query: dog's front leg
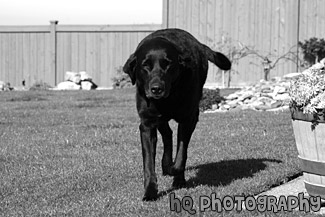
167, 137
149, 142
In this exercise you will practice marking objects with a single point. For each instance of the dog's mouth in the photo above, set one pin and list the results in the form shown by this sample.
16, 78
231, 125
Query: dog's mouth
156, 96
160, 95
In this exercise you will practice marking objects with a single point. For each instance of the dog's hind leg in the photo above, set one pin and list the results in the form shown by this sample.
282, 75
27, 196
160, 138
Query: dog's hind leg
184, 133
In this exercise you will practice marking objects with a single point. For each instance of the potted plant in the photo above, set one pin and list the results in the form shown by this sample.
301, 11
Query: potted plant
307, 108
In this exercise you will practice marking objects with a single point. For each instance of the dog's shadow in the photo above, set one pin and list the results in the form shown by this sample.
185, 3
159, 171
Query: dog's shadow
224, 172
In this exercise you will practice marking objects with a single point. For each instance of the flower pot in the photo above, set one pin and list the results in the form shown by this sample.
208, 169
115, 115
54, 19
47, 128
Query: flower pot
310, 141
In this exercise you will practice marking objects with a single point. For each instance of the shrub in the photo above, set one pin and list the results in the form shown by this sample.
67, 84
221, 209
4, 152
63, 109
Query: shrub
121, 80
209, 98
313, 50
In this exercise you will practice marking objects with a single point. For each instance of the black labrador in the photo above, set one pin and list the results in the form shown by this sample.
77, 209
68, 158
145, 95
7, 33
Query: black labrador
169, 68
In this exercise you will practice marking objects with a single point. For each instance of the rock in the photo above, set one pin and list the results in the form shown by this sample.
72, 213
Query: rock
263, 107
256, 103
68, 85
279, 89
246, 107
88, 85
282, 108
232, 96
84, 76
215, 107
73, 77
5, 86
266, 89
282, 97
265, 100
245, 96
2, 85
263, 96
292, 75
276, 104
251, 100
236, 109
233, 103
82, 80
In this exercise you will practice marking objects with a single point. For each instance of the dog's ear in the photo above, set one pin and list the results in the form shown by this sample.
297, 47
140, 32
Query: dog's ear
129, 67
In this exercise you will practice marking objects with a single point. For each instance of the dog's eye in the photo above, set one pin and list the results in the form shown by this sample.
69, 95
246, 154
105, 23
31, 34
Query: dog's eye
164, 63
146, 66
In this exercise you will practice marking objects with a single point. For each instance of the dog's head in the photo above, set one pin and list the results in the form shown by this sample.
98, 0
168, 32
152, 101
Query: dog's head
155, 66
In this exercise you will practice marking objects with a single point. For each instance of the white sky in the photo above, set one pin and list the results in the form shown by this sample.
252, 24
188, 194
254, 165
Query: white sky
40, 12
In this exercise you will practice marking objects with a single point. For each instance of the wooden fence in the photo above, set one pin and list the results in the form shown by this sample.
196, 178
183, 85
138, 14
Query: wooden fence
45, 53
270, 27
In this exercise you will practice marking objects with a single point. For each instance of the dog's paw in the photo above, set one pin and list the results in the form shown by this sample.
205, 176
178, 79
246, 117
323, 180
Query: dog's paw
167, 170
151, 192
179, 182
172, 171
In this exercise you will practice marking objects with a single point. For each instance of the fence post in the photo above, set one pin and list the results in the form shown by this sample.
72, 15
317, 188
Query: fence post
298, 36
165, 15
53, 49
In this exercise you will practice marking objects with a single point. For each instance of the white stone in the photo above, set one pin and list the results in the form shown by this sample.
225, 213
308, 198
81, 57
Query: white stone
68, 85
5, 86
282, 108
232, 96
282, 97
292, 75
246, 95
279, 89
72, 76
84, 76
215, 107
265, 100
87, 85
2, 85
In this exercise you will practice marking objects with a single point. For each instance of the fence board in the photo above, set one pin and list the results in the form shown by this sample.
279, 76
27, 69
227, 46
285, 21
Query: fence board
2, 56
104, 55
49, 76
111, 54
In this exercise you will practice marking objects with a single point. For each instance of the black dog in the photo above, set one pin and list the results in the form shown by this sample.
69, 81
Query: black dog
169, 68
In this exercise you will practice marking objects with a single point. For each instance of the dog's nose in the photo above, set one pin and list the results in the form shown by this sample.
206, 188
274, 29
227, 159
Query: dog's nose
156, 89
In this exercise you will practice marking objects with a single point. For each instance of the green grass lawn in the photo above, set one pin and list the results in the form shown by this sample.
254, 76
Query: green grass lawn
78, 153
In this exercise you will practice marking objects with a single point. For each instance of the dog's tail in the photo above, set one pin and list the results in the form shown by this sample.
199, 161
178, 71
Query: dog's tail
218, 58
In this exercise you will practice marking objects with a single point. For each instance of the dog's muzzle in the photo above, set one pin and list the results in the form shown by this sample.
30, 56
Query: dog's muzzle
156, 90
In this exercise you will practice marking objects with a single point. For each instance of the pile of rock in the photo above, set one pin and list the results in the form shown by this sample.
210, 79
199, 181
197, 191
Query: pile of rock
77, 81
264, 96
5, 86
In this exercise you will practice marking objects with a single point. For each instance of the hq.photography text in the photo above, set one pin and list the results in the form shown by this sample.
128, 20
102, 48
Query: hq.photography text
261, 203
